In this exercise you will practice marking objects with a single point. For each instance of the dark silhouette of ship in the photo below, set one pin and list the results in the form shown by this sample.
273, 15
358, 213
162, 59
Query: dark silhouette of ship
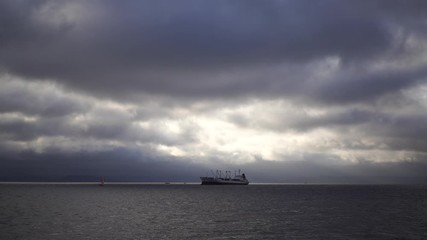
101, 181
219, 179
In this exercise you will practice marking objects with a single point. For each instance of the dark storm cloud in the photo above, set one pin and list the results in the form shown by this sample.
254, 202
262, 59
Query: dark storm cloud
400, 132
124, 165
80, 78
18, 27
191, 32
184, 49
365, 86
37, 99
114, 165
323, 169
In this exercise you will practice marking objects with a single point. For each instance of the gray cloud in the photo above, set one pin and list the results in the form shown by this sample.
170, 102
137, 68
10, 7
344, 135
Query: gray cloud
37, 99
148, 81
136, 166
359, 87
184, 49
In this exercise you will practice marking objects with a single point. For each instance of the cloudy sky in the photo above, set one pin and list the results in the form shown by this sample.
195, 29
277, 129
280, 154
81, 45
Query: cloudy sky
289, 91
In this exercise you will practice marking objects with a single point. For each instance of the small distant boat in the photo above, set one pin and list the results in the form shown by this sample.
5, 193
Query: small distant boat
101, 181
218, 179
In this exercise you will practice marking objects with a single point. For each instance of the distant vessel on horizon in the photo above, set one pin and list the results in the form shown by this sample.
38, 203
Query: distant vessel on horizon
218, 179
101, 181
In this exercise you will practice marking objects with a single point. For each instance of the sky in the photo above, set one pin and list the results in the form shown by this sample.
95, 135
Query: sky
160, 90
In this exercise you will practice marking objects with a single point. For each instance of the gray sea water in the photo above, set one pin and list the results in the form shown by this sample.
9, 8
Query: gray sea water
132, 211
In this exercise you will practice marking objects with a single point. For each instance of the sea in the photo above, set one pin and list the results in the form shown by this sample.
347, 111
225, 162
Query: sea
192, 211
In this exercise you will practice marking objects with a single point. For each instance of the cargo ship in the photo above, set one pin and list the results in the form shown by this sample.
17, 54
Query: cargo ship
219, 179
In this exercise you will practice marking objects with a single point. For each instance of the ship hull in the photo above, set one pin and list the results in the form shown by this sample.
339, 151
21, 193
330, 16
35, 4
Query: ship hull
223, 182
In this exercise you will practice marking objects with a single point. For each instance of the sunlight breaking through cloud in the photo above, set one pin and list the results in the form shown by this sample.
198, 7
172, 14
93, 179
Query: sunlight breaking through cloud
201, 83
